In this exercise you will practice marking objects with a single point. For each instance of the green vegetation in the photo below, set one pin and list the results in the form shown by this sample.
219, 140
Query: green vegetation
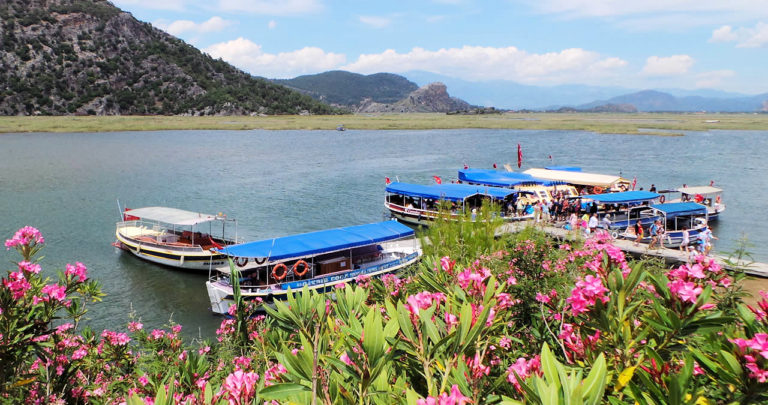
345, 88
644, 124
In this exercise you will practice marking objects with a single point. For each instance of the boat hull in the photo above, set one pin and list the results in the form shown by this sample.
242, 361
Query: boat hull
188, 259
426, 218
221, 295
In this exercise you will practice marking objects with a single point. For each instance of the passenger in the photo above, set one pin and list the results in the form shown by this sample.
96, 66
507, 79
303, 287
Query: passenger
660, 234
653, 188
654, 234
607, 222
638, 232
592, 224
686, 239
706, 237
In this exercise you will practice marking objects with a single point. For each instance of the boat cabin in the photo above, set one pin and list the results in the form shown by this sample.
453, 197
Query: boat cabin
586, 183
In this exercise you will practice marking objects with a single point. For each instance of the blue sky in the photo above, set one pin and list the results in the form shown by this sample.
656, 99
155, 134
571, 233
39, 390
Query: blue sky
687, 44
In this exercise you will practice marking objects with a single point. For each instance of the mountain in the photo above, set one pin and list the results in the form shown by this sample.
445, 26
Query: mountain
507, 94
430, 98
346, 88
651, 100
89, 57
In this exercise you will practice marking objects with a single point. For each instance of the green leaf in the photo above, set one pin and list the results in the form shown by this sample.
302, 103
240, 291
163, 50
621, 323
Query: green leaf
549, 366
594, 384
283, 391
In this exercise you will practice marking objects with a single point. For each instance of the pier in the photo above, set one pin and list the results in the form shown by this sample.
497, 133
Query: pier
670, 256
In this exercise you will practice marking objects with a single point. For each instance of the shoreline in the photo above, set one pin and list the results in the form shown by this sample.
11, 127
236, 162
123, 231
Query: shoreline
648, 124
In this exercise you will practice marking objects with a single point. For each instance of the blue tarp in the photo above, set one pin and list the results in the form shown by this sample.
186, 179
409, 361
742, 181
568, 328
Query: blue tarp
313, 243
623, 197
564, 168
450, 192
682, 208
498, 178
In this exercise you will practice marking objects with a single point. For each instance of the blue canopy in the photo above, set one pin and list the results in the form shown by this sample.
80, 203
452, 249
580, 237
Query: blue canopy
313, 243
672, 210
623, 197
565, 168
497, 178
450, 192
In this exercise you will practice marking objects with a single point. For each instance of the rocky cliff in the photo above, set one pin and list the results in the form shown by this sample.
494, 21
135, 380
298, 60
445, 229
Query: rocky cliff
89, 57
430, 98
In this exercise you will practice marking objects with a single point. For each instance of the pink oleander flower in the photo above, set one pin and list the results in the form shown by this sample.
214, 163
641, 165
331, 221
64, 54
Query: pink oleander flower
451, 320
273, 374
79, 353
544, 299
158, 334
345, 358
204, 350
176, 329
54, 291
726, 281
135, 326
454, 398
115, 338
363, 281
25, 237
28, 267
78, 271
476, 366
423, 300
240, 387
523, 368
447, 264
685, 290
17, 284
242, 362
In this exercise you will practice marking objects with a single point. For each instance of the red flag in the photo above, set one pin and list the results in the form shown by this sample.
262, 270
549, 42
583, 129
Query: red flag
711, 183
465, 166
550, 157
494, 165
387, 180
438, 180
519, 156
634, 182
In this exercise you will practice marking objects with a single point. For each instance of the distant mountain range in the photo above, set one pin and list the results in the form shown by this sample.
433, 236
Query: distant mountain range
510, 95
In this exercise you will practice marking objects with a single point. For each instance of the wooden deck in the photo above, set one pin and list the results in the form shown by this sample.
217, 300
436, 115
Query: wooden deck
671, 256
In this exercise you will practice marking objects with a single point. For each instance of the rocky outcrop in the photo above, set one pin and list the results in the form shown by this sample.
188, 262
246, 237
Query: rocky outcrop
430, 98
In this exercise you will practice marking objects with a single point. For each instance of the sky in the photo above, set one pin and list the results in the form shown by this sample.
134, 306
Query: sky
647, 44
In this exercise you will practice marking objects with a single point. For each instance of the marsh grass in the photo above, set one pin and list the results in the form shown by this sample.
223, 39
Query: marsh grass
634, 124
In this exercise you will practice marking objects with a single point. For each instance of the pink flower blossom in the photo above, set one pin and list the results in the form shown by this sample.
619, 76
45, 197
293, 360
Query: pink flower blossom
274, 373
447, 264
25, 237
240, 387
345, 358
77, 271
54, 291
685, 290
135, 326
476, 366
28, 267
522, 368
450, 320
17, 284
423, 300
455, 398
544, 299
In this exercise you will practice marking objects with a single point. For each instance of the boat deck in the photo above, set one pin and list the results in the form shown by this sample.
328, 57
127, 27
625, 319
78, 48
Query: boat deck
668, 255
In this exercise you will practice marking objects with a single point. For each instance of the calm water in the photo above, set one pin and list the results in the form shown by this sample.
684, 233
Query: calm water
286, 182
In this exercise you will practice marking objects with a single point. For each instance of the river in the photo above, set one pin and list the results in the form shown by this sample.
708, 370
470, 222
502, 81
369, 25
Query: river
278, 183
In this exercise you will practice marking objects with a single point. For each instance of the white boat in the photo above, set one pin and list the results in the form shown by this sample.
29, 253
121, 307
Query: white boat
269, 269
709, 196
173, 237
674, 217
593, 182
537, 189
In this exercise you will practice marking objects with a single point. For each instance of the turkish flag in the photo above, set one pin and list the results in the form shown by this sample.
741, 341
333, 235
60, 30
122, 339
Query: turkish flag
438, 180
519, 156
387, 180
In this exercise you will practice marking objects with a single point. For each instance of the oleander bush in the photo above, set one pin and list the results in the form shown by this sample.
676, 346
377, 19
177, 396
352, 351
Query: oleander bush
483, 319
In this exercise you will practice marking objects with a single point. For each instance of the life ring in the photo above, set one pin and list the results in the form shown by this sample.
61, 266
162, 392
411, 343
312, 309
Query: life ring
241, 261
257, 261
277, 274
615, 235
718, 200
597, 190
698, 198
662, 199
304, 269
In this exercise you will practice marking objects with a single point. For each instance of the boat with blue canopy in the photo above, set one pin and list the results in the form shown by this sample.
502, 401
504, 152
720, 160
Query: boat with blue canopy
538, 189
420, 204
622, 209
710, 196
268, 269
677, 217
592, 182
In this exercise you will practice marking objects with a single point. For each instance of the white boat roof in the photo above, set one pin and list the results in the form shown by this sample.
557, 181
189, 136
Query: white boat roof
173, 216
581, 178
703, 190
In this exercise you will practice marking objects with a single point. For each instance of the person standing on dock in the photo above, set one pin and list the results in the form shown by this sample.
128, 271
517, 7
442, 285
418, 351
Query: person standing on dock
706, 237
654, 231
592, 224
638, 232
686, 239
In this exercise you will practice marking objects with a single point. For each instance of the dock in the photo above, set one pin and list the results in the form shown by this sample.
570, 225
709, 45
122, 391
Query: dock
670, 256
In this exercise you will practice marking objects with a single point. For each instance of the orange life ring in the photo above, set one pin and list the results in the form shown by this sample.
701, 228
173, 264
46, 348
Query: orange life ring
718, 200
241, 263
303, 271
281, 275
662, 199
597, 190
698, 198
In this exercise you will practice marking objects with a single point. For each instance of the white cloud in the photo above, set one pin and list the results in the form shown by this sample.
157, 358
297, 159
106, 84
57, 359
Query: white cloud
488, 63
744, 37
179, 27
249, 56
176, 5
667, 66
375, 22
713, 79
723, 34
272, 7
272, 24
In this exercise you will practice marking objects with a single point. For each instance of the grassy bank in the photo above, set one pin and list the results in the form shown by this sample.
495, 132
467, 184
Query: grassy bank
648, 124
